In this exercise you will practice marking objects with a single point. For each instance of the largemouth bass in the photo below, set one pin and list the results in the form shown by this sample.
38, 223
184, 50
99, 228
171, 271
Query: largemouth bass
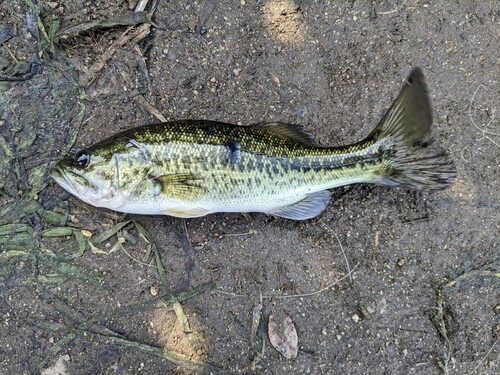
192, 168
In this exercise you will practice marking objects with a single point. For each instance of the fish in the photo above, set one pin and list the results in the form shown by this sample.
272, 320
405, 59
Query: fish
191, 168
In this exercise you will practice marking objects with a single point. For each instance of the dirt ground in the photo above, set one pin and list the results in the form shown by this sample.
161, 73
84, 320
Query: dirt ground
385, 281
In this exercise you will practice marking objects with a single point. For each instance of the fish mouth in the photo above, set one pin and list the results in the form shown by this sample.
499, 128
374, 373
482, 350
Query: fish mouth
56, 173
80, 186
65, 179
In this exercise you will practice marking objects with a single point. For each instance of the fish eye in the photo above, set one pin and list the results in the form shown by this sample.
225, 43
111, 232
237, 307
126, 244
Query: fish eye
82, 159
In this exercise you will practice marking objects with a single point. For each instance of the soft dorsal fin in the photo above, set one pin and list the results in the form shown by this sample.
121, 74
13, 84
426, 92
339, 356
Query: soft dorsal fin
180, 186
312, 205
297, 133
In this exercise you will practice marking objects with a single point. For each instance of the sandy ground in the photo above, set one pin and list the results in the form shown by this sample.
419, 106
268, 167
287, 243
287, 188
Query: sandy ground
383, 282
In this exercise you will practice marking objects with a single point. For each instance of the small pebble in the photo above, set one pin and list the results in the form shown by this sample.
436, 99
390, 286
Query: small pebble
87, 233
367, 307
153, 289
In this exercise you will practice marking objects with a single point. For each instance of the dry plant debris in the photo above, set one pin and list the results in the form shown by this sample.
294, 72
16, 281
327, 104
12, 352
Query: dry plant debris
283, 335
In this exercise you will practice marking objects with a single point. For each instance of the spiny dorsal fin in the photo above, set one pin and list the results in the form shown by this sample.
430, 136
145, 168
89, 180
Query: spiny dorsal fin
297, 133
312, 205
180, 186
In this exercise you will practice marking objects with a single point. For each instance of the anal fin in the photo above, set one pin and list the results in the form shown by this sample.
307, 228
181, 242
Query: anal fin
312, 205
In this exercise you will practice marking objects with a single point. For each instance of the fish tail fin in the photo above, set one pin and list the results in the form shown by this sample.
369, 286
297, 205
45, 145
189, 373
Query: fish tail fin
411, 160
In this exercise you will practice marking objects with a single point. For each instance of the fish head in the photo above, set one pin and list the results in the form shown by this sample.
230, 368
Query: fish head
93, 175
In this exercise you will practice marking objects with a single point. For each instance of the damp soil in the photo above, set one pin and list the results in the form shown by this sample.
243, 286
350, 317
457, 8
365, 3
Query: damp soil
384, 281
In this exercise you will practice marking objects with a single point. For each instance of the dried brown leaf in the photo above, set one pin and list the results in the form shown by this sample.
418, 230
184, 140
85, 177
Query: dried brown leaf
283, 335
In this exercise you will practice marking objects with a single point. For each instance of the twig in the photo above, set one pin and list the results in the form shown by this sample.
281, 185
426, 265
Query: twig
484, 358
139, 98
438, 321
483, 130
139, 33
142, 66
293, 295
11, 54
137, 260
161, 271
88, 119
141, 5
249, 233
312, 293
148, 107
388, 12
341, 248
231, 293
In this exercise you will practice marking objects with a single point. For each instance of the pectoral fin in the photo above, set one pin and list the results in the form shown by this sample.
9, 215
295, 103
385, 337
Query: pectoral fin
307, 208
179, 186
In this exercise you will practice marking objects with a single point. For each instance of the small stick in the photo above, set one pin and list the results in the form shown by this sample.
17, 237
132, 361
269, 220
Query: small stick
139, 33
293, 295
388, 12
141, 5
341, 248
312, 293
148, 107
484, 358
483, 130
